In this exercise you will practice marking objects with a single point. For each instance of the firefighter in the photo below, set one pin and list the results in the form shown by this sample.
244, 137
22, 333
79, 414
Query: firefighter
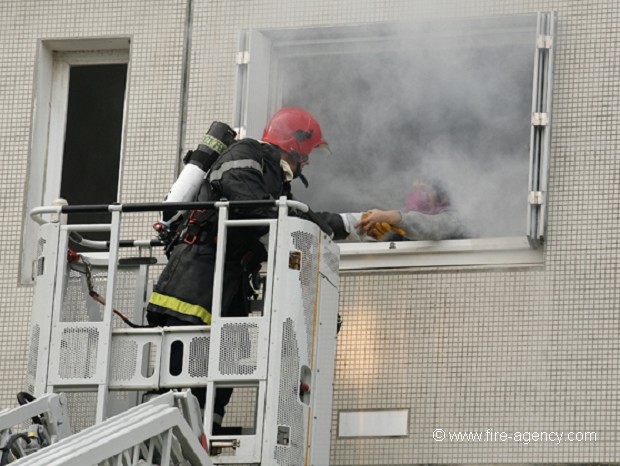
247, 170
426, 214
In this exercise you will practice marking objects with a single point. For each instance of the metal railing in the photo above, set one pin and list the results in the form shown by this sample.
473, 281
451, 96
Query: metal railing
153, 432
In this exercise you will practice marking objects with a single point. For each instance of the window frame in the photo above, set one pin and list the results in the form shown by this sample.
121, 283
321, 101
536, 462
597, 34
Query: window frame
260, 52
540, 135
51, 88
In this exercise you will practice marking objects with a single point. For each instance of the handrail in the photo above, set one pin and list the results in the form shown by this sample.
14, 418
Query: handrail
37, 212
158, 206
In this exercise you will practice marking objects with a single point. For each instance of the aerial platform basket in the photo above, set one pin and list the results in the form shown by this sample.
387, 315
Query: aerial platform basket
279, 360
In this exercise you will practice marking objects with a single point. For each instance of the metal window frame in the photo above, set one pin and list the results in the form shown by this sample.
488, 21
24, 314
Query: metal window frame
540, 137
257, 95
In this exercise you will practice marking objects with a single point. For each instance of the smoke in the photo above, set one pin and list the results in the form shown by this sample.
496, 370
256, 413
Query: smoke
453, 107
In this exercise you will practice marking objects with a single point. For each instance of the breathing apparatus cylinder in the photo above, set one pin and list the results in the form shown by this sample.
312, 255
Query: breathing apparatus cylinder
197, 163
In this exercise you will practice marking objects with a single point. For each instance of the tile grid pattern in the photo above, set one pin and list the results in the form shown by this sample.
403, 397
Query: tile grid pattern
156, 30
508, 350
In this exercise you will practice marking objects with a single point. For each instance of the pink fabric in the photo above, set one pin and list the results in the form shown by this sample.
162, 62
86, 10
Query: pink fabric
420, 200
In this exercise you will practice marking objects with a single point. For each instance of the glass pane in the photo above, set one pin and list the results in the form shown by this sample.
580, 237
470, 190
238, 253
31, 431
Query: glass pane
91, 156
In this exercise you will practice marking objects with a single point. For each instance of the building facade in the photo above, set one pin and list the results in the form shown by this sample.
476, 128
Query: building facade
512, 339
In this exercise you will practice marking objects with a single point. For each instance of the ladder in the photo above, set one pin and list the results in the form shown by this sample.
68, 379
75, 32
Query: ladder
35, 424
151, 433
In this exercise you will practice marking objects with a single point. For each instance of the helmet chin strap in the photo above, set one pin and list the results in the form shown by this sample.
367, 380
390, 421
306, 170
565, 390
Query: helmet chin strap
297, 174
299, 162
304, 180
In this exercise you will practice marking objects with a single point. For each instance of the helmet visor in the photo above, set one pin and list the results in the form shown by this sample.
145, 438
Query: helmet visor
321, 150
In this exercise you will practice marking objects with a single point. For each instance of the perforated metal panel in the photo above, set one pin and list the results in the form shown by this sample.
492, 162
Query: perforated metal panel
40, 261
44, 289
78, 353
290, 410
33, 357
330, 262
82, 407
297, 329
127, 297
124, 357
140, 358
308, 244
238, 349
199, 357
79, 336
78, 306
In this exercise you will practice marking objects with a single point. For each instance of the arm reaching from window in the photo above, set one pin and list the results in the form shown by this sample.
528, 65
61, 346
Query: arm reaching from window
442, 225
426, 214
410, 225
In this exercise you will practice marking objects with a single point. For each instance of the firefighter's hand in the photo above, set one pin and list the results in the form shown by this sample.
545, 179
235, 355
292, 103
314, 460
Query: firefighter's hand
376, 223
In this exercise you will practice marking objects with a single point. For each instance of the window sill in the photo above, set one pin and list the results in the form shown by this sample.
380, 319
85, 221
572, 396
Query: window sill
508, 251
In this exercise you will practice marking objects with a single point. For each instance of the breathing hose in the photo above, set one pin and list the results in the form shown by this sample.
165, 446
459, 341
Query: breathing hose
6, 449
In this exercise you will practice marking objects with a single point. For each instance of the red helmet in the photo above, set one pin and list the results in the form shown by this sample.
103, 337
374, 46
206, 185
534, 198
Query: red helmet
295, 131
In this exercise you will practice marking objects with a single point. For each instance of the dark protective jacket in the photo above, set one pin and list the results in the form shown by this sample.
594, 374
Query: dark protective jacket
247, 170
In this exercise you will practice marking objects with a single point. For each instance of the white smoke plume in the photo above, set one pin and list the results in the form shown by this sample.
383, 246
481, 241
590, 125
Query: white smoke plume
454, 107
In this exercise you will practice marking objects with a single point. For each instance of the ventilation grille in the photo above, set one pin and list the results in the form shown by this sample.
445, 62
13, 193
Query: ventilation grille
199, 357
33, 358
123, 361
78, 353
290, 410
308, 245
238, 349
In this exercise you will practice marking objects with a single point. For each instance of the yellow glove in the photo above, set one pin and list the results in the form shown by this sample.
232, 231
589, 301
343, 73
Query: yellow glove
381, 228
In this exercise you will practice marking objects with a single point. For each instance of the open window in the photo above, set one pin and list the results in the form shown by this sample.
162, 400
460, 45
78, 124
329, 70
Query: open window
77, 131
465, 102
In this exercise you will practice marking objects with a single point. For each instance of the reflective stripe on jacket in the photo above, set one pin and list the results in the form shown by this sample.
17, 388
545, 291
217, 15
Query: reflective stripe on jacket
181, 307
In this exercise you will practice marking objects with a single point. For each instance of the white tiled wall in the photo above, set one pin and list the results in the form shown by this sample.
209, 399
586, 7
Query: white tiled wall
512, 350
156, 30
